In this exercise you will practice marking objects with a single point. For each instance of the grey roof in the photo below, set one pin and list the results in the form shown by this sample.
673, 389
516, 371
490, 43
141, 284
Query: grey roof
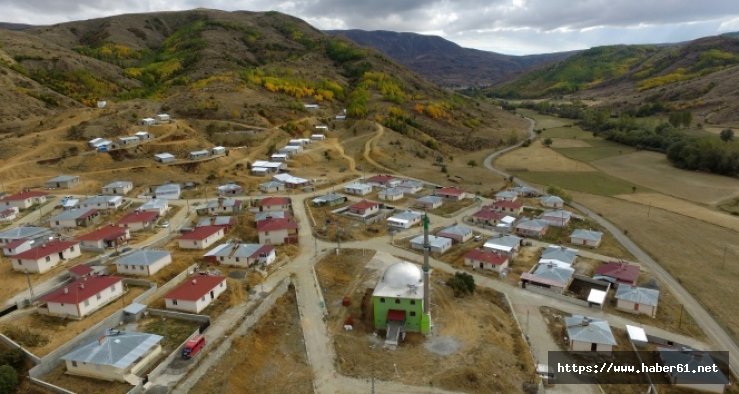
117, 350
430, 199
392, 191
531, 224
590, 330
118, 184
24, 232
164, 155
328, 198
214, 221
226, 202
510, 241
554, 272
551, 199
408, 183
358, 185
63, 178
199, 152
587, 234
693, 359
637, 295
559, 253
96, 200
259, 216
144, 257
167, 188
271, 184
157, 203
407, 215
558, 213
234, 250
71, 214
229, 186
434, 241
506, 194
457, 230
134, 308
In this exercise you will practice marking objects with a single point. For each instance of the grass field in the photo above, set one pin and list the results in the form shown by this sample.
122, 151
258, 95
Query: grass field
599, 149
593, 182
685, 208
543, 121
537, 157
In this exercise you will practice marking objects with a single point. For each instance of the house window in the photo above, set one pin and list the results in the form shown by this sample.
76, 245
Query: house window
48, 258
71, 249
237, 260
112, 288
174, 302
74, 364
413, 313
397, 300
202, 298
382, 300
87, 302
413, 302
99, 296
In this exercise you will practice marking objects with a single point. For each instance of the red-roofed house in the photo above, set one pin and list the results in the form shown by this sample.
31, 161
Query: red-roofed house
105, 237
8, 214
506, 206
18, 246
483, 259
138, 220
43, 257
450, 193
196, 293
202, 237
23, 200
80, 271
272, 204
383, 180
364, 208
619, 272
487, 217
84, 296
277, 231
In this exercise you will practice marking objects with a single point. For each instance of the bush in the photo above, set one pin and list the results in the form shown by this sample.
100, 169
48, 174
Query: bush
13, 357
462, 284
8, 379
25, 337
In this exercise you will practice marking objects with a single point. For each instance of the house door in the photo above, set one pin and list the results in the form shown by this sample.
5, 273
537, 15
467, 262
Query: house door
212, 295
636, 307
593, 347
481, 266
61, 256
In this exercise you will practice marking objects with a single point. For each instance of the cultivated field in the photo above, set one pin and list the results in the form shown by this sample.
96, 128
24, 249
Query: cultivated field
683, 207
538, 158
594, 182
652, 170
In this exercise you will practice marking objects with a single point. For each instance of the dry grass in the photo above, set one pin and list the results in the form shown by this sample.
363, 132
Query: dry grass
539, 158
654, 171
271, 358
691, 250
82, 385
330, 225
684, 208
608, 246
13, 282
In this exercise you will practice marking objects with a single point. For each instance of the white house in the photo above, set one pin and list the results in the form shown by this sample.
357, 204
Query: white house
168, 191
358, 189
148, 122
218, 150
638, 300
451, 193
363, 208
317, 137
73, 218
104, 237
143, 135
405, 220
261, 167
429, 202
391, 194
486, 260
586, 237
63, 182
125, 142
221, 205
158, 205
506, 195
164, 157
291, 181
588, 334
271, 187
8, 214
272, 204
277, 231
457, 233
685, 366
198, 154
84, 296
18, 246
138, 220
436, 244
411, 186
552, 201
195, 293
24, 232
119, 188
507, 244
278, 157
201, 237
143, 262
163, 118
230, 189
556, 218
102, 202
24, 200
242, 254
44, 256
116, 356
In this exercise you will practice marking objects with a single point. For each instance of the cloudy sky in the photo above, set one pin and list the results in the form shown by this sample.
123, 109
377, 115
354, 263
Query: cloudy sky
507, 26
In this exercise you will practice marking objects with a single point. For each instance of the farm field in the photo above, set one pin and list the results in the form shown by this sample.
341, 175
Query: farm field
543, 121
683, 207
588, 182
701, 256
652, 170
538, 158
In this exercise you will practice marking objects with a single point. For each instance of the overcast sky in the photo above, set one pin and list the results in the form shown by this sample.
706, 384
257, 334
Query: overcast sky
506, 26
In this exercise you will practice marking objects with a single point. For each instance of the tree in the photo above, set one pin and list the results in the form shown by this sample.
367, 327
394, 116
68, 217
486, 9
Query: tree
472, 163
556, 191
8, 379
727, 135
462, 284
548, 142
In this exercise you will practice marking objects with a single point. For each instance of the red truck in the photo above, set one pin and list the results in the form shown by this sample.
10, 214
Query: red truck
193, 346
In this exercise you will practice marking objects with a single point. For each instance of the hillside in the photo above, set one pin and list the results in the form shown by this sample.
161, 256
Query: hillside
447, 63
258, 68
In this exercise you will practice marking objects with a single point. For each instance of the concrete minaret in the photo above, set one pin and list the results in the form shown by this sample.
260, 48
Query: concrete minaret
426, 268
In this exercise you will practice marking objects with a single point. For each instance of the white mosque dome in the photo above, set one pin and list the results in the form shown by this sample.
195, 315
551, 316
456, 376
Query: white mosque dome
402, 275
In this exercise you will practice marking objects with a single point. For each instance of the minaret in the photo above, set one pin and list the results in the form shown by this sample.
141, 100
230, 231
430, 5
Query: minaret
426, 268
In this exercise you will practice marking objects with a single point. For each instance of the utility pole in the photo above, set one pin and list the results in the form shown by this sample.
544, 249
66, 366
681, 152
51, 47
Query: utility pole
426, 268
30, 286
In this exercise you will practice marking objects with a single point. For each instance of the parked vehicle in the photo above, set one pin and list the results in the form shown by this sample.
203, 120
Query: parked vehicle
193, 347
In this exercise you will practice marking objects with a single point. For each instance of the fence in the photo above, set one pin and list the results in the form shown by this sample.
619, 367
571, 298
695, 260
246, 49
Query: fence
550, 293
50, 387
179, 315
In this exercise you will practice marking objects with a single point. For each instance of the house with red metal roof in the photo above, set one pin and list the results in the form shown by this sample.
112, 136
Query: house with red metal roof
195, 293
618, 272
486, 260
8, 214
364, 208
105, 237
202, 237
507, 206
24, 200
450, 193
271, 204
45, 256
80, 271
19, 245
486, 217
277, 231
138, 220
83, 296
383, 181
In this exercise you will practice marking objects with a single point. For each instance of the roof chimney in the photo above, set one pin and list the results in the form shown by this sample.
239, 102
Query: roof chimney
66, 290
82, 285
585, 321
194, 281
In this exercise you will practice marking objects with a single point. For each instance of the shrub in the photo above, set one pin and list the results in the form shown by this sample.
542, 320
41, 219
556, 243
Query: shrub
25, 337
8, 379
462, 284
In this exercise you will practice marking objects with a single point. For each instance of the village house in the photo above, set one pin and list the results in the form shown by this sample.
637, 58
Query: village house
158, 205
242, 254
588, 334
485, 260
436, 244
586, 237
410, 186
148, 122
229, 189
201, 237
63, 182
69, 202
80, 271
227, 222
686, 366
525, 191
168, 191
218, 151
73, 218
277, 231
118, 356
163, 118
638, 300
299, 142
102, 203
291, 181
24, 200
18, 246
552, 202
271, 204
391, 194
195, 293
125, 142
198, 154
429, 202
329, 200
24, 233
383, 181
271, 187
118, 188
556, 218
507, 244
138, 220
261, 167
486, 217
531, 228
164, 157
221, 205
358, 189
457, 233
506, 195
83, 296
8, 214
559, 255
103, 145
143, 135
278, 157
363, 208
405, 219
451, 193
506, 206
618, 272
317, 137
143, 262
104, 237
290, 150
42, 257
549, 276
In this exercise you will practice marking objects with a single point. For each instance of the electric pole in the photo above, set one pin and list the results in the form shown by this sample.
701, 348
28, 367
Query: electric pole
30, 286
426, 268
